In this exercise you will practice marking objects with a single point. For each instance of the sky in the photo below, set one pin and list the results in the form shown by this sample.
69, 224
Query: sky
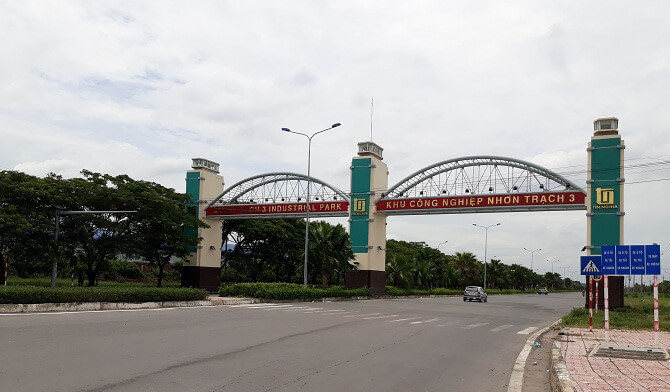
142, 87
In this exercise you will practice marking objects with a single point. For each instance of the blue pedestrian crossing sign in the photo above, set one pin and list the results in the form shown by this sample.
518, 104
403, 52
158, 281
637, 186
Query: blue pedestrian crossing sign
591, 265
625, 260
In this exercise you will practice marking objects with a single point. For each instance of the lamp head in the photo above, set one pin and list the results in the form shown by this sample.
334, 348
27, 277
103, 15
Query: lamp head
335, 125
286, 130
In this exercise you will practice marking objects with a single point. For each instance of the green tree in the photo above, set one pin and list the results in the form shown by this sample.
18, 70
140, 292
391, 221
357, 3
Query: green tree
157, 230
468, 268
330, 248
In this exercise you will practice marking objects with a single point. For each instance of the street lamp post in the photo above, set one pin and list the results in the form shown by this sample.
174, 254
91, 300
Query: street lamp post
532, 252
486, 242
309, 181
441, 243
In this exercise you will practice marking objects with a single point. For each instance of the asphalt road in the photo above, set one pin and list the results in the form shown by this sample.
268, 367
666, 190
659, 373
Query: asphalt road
423, 344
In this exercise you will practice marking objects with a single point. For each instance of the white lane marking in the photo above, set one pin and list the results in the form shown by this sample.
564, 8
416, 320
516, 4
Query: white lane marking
378, 317
516, 378
299, 309
527, 331
404, 319
362, 315
450, 323
500, 328
270, 307
424, 321
324, 311
245, 305
475, 325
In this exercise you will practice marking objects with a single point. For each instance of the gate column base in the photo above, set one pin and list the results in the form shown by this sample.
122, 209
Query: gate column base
375, 280
206, 278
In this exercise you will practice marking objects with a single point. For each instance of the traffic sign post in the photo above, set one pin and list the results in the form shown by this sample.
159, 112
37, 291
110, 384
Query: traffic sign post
656, 310
621, 260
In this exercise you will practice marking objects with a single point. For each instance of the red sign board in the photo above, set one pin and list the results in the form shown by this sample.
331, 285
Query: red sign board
482, 201
279, 209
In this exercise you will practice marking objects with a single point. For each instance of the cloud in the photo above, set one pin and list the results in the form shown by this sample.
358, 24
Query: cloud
142, 88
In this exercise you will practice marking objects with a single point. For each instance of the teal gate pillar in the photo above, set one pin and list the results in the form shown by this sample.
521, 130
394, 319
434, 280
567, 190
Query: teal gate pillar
604, 199
367, 228
202, 268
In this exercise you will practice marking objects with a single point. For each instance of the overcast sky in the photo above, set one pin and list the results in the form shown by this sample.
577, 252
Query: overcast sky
143, 87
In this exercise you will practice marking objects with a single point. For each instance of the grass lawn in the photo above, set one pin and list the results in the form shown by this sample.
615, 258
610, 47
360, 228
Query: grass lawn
637, 313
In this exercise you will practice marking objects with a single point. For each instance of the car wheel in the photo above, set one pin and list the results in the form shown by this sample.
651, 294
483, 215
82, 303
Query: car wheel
486, 299
464, 300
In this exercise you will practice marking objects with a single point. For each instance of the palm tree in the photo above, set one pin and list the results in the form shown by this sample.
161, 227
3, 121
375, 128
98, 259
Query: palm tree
468, 268
330, 246
424, 272
398, 271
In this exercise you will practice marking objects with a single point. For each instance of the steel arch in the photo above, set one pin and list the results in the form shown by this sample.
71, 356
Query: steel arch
286, 182
496, 182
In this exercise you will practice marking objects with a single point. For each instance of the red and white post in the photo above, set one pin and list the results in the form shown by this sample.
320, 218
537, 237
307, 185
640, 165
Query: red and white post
597, 284
590, 303
656, 310
607, 309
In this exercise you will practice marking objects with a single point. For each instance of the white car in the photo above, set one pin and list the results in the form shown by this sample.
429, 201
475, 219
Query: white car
474, 293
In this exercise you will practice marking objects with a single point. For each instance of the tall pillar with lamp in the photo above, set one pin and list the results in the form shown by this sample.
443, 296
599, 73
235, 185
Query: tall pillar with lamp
203, 268
604, 199
367, 228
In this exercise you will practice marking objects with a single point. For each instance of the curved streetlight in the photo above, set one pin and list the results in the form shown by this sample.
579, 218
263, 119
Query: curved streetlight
441, 243
309, 181
486, 242
531, 256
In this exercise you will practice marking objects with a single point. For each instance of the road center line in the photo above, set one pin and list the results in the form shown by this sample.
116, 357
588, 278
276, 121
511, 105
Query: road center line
378, 317
361, 315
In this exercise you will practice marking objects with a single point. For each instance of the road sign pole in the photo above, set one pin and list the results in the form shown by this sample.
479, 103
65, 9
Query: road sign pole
656, 310
607, 310
597, 296
590, 303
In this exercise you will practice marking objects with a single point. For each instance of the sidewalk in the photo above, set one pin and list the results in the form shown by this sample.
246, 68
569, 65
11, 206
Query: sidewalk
589, 373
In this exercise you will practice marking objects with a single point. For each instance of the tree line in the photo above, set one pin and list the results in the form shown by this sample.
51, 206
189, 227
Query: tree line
415, 265
86, 244
253, 250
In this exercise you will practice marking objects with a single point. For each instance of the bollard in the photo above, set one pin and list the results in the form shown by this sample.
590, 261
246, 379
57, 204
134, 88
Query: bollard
590, 304
656, 310
607, 310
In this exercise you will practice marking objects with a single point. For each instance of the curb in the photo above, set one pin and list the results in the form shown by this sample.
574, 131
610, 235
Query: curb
93, 306
559, 377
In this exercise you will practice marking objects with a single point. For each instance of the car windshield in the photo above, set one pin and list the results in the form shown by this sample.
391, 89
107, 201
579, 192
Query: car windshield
472, 289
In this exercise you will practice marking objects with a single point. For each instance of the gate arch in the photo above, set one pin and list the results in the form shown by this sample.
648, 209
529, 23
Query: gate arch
278, 195
442, 178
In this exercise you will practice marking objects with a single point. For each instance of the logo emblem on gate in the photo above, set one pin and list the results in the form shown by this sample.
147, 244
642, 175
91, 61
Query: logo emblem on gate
605, 196
360, 206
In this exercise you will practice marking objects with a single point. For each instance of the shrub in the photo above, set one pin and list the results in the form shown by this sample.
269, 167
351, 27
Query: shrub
34, 295
286, 291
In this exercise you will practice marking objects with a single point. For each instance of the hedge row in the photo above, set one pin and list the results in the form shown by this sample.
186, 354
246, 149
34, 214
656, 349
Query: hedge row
36, 295
286, 291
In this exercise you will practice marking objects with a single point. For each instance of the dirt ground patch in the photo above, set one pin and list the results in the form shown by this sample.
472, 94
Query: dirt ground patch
538, 365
